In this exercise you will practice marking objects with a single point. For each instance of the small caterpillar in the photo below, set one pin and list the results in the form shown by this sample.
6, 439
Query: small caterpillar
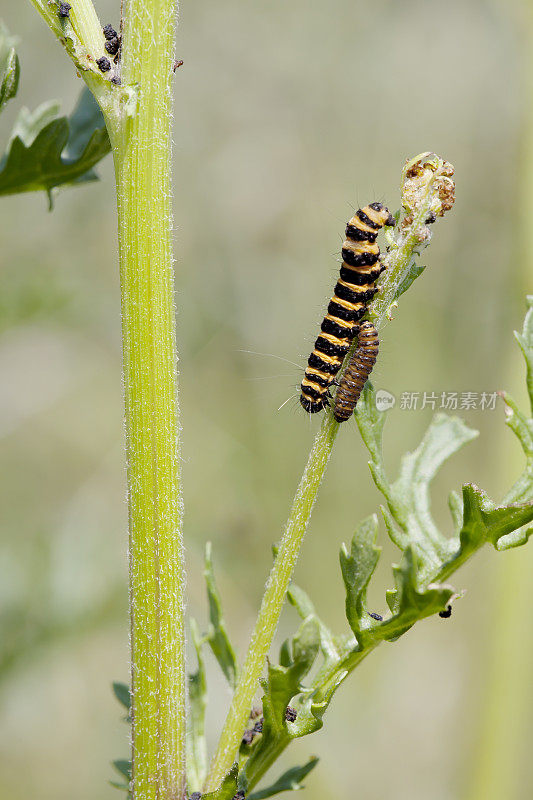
356, 373
353, 292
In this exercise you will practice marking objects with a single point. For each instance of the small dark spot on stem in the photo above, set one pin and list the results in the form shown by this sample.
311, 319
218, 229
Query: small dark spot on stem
248, 737
112, 46
446, 614
110, 32
290, 714
64, 10
103, 64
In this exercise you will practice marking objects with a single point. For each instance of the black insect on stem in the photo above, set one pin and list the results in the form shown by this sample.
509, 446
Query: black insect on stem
356, 374
240, 795
258, 727
109, 32
63, 11
373, 614
361, 267
196, 796
446, 614
290, 714
112, 46
103, 64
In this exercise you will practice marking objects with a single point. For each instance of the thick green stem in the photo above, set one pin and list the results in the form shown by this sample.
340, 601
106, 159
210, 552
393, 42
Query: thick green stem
273, 600
142, 146
138, 118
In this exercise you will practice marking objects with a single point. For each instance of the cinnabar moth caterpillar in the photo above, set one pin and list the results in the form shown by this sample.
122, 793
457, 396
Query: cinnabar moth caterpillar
356, 373
354, 291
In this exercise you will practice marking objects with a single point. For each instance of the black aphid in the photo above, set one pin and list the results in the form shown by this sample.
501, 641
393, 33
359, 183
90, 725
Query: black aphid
112, 46
446, 614
64, 10
103, 64
375, 616
110, 32
290, 714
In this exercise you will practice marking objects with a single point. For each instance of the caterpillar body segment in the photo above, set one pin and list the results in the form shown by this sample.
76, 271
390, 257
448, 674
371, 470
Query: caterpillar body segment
356, 373
354, 290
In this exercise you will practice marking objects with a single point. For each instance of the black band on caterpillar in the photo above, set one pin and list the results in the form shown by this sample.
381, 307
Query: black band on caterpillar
356, 373
353, 292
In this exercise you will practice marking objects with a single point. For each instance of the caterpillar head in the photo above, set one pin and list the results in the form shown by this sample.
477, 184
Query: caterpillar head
382, 215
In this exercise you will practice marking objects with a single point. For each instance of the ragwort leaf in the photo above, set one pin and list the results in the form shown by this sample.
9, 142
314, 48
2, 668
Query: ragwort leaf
45, 152
291, 780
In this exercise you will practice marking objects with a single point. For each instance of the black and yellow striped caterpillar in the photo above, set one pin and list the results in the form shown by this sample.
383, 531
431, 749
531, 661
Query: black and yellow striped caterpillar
356, 373
354, 291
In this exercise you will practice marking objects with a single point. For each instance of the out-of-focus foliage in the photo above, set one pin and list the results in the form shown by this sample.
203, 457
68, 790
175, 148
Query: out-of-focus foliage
44, 150
9, 67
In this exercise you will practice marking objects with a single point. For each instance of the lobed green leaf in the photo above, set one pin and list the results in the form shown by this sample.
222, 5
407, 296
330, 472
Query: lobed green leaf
291, 780
357, 567
228, 788
46, 151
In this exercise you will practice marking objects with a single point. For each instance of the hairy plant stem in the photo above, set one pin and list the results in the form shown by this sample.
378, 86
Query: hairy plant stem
278, 582
273, 600
138, 117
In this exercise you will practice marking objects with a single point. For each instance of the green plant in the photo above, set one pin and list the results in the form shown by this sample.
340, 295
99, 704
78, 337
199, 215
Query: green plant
134, 98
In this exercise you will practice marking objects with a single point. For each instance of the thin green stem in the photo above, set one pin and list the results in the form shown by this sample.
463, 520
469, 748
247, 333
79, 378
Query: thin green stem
49, 15
81, 35
273, 600
85, 22
424, 197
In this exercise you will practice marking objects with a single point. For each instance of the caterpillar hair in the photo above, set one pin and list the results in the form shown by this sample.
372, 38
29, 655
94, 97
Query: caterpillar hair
356, 373
354, 290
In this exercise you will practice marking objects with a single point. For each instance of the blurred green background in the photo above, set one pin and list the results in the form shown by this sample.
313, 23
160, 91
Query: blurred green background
288, 115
